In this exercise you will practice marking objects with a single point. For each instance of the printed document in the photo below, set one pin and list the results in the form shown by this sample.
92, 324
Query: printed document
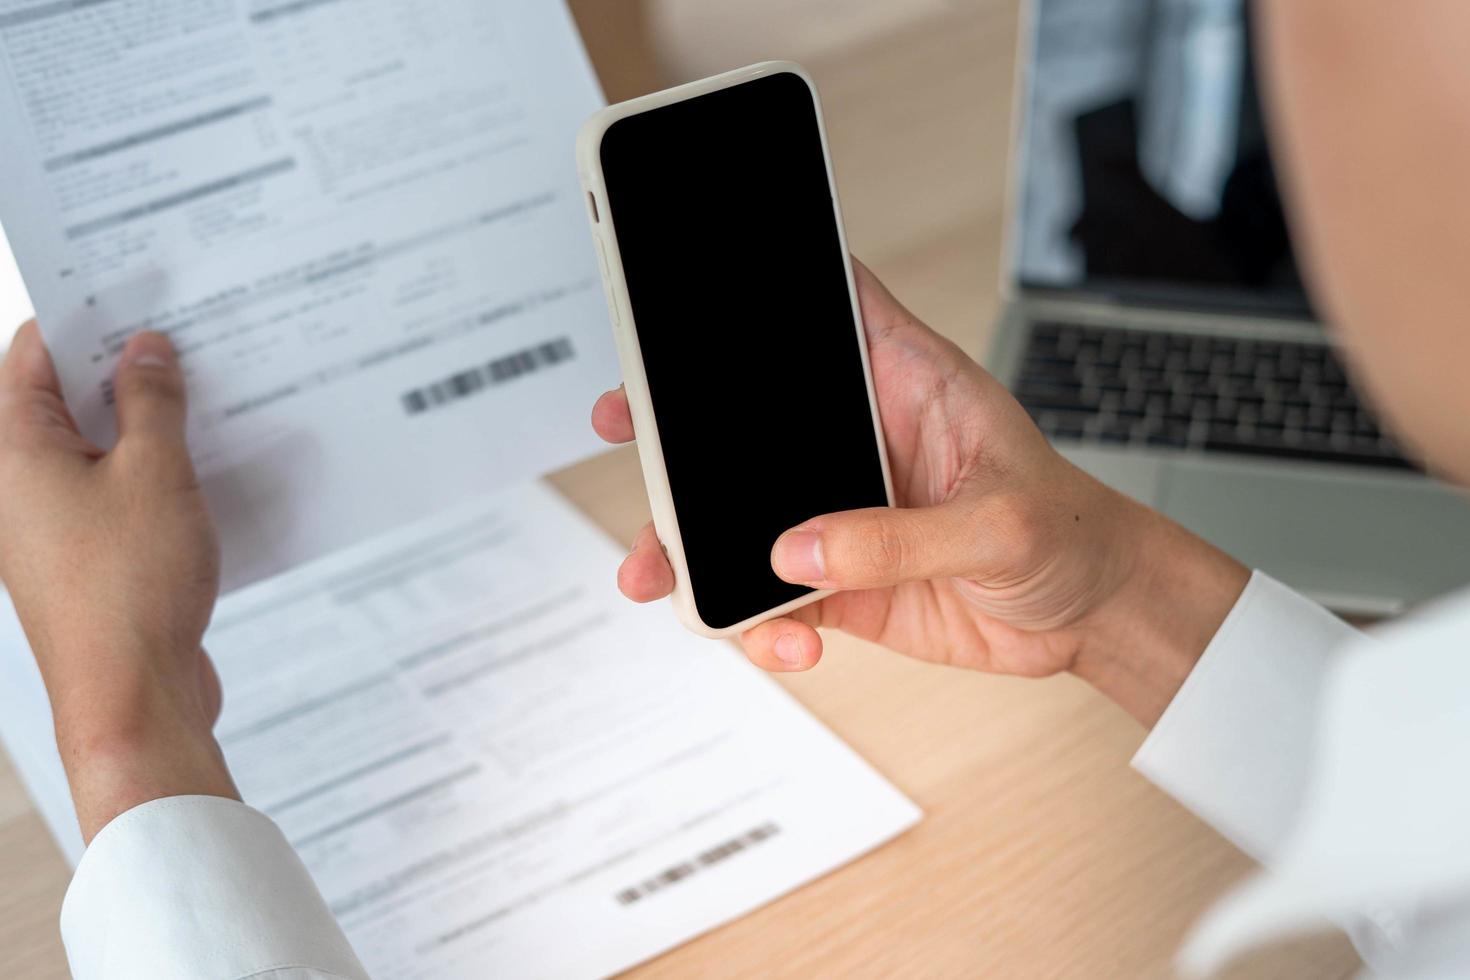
15, 304
358, 220
493, 764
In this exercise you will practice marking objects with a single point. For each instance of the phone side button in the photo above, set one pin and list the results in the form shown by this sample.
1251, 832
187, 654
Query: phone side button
612, 306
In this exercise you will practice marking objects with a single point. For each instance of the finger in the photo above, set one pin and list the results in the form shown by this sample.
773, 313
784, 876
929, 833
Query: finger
149, 386
881, 546
30, 394
786, 645
28, 366
611, 419
645, 574
886, 319
881, 309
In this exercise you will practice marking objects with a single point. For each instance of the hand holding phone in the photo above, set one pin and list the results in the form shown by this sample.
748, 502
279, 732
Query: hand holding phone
1001, 556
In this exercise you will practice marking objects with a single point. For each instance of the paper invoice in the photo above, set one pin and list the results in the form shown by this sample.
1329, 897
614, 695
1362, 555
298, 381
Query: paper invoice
359, 222
493, 764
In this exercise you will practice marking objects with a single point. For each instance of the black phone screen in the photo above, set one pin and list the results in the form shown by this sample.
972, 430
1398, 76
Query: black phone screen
725, 221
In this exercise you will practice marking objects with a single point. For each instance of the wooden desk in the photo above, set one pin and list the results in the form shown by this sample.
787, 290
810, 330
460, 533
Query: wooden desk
1042, 854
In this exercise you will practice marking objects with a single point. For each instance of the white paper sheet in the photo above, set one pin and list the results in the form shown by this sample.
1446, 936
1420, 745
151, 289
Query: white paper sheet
359, 221
496, 766
15, 302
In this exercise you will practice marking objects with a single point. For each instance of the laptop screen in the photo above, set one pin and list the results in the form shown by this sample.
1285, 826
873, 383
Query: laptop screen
1146, 173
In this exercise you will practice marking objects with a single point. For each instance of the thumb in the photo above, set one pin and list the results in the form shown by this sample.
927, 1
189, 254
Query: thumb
868, 549
149, 389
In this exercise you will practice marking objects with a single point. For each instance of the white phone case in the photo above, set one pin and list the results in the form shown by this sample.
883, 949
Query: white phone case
630, 356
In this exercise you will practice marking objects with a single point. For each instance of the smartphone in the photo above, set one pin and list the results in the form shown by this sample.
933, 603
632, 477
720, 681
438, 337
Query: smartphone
739, 332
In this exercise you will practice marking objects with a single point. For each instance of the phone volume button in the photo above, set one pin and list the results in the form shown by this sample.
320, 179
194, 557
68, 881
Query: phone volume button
607, 283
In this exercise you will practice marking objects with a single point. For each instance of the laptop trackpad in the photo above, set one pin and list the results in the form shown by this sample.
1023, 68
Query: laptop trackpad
1368, 543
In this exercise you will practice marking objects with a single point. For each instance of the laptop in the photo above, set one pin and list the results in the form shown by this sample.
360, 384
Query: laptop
1156, 326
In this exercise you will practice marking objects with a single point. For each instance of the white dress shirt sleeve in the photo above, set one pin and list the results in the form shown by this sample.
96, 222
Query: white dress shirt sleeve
199, 888
1235, 744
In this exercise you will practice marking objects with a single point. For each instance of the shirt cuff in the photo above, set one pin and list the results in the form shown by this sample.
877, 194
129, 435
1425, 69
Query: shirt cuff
1234, 745
198, 887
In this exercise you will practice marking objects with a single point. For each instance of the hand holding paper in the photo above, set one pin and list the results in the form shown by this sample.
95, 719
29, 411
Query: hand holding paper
111, 560
359, 224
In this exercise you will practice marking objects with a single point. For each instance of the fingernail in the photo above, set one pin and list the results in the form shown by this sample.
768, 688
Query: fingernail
149, 350
788, 649
798, 557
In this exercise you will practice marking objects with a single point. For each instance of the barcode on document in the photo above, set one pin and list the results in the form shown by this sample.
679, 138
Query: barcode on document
477, 379
684, 869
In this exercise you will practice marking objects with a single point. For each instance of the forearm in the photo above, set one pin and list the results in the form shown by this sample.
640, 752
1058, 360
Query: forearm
110, 773
1141, 644
125, 747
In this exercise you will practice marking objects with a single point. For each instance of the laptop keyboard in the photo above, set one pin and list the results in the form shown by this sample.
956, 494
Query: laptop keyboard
1106, 385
